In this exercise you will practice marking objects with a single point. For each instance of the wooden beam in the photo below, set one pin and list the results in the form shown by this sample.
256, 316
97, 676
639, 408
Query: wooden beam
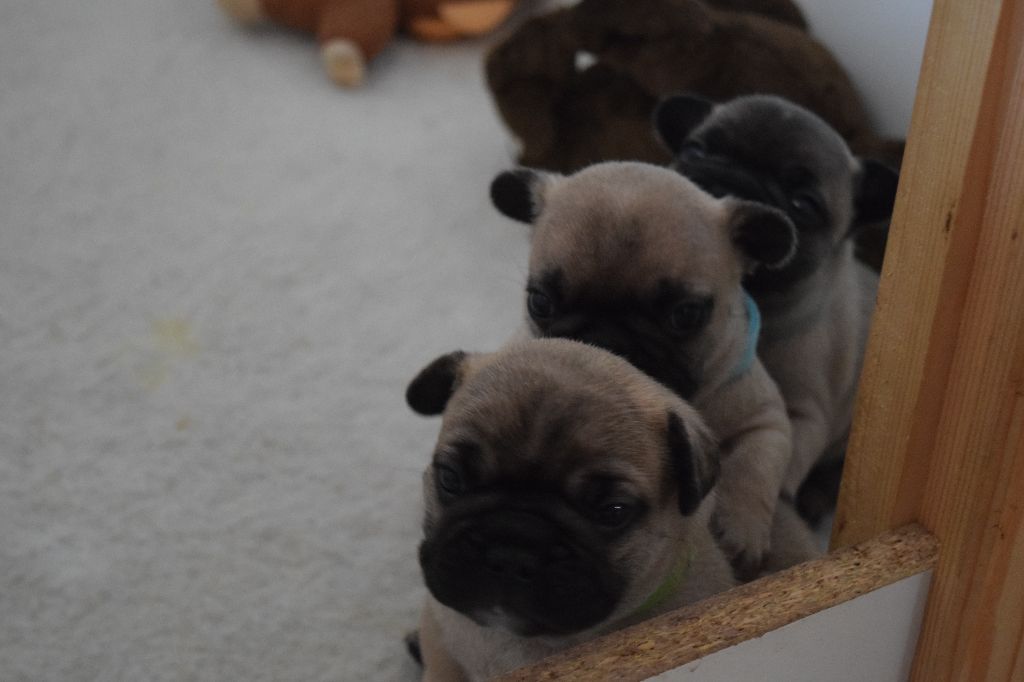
741, 614
939, 434
924, 278
974, 495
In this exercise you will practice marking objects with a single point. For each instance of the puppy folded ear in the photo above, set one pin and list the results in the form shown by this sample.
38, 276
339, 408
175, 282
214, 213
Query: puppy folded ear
693, 456
676, 117
429, 392
764, 235
876, 192
519, 194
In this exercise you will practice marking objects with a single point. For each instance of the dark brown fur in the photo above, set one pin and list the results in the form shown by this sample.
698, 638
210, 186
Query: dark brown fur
566, 118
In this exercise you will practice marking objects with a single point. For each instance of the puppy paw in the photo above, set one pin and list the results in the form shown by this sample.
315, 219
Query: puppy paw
745, 537
344, 62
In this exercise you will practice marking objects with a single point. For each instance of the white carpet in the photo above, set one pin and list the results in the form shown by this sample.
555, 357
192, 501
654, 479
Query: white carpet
217, 274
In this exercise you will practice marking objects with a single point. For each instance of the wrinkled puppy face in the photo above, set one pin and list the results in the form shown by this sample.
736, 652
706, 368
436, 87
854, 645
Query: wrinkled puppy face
768, 150
554, 490
638, 260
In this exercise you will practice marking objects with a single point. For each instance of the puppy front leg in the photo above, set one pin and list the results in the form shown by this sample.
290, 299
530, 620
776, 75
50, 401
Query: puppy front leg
753, 466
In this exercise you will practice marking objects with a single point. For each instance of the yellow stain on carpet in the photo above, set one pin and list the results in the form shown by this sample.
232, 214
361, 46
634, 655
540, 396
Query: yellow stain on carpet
173, 340
174, 337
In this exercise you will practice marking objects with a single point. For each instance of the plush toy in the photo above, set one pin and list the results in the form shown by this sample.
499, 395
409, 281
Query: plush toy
352, 32
579, 85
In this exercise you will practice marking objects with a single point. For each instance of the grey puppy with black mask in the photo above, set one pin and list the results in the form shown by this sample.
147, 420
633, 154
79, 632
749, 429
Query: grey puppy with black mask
569, 495
638, 260
817, 308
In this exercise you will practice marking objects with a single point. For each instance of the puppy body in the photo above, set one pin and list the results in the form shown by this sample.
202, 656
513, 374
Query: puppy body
540, 442
813, 346
816, 308
638, 260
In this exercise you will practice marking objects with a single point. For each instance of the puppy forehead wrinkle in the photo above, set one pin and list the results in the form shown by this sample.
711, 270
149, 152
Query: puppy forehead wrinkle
623, 187
579, 400
611, 466
776, 131
605, 219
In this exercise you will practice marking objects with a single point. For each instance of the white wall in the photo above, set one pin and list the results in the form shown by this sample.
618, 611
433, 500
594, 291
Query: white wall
871, 638
880, 42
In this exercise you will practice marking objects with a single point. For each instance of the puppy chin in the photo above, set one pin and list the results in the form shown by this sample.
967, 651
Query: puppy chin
527, 611
500, 619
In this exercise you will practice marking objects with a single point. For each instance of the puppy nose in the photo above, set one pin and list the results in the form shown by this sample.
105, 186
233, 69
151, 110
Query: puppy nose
512, 562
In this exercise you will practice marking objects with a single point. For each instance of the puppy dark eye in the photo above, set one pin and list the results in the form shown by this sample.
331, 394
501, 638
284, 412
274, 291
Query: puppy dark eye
539, 305
689, 316
614, 515
694, 150
448, 480
805, 202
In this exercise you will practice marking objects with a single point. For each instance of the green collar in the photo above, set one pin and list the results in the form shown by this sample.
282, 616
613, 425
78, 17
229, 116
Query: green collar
668, 587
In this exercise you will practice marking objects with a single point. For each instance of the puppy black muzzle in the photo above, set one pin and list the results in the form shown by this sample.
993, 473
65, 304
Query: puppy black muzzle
656, 355
722, 180
606, 336
518, 569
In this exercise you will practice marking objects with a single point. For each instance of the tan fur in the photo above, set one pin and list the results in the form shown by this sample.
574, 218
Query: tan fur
749, 417
619, 419
621, 228
813, 349
792, 540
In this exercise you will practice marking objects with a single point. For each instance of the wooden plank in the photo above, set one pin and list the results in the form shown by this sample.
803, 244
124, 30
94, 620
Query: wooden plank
938, 434
996, 652
976, 480
924, 279
746, 612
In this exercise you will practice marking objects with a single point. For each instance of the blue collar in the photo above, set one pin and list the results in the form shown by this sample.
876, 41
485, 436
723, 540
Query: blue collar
753, 332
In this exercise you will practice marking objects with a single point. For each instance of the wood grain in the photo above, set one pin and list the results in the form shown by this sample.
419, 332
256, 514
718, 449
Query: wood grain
744, 613
924, 278
975, 488
938, 431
